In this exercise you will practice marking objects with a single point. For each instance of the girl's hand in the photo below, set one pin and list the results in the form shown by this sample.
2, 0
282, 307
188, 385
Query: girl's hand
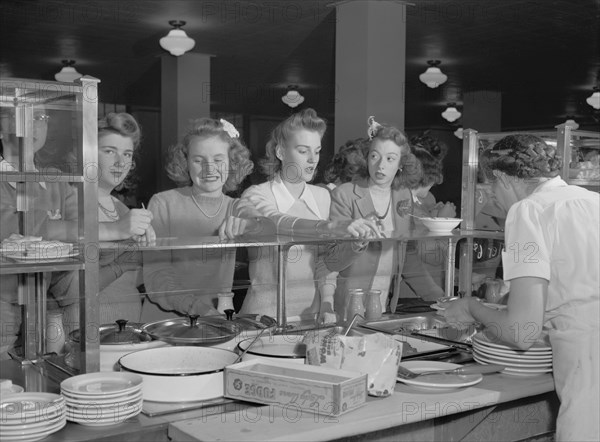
447, 211
233, 227
135, 222
457, 313
148, 238
364, 229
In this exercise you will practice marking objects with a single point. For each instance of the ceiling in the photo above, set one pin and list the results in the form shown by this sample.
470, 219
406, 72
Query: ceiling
544, 56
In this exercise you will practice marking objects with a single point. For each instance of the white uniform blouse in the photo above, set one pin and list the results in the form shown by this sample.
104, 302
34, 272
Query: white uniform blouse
554, 234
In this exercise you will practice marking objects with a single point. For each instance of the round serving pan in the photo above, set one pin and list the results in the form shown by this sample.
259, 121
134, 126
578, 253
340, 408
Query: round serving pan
277, 347
116, 340
181, 373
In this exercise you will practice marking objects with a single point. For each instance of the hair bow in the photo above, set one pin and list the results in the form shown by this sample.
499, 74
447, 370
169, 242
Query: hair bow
373, 126
229, 128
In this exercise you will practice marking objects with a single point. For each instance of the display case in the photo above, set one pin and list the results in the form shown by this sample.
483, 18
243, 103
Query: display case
284, 249
49, 192
580, 152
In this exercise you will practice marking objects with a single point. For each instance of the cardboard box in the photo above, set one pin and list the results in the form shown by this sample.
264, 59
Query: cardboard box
316, 389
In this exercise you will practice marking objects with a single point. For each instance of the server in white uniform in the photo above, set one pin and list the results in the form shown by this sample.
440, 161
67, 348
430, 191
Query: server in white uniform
552, 260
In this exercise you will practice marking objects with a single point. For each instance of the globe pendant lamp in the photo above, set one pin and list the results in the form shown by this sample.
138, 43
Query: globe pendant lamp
177, 42
451, 113
571, 123
594, 99
433, 76
292, 98
68, 73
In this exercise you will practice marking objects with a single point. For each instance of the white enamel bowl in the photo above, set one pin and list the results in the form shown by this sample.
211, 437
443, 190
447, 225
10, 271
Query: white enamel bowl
277, 347
181, 373
441, 225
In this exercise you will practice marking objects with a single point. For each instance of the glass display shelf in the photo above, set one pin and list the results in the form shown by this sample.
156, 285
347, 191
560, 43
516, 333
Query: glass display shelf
213, 242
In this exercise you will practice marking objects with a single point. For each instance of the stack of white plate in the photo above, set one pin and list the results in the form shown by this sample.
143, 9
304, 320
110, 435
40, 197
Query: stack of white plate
532, 362
102, 399
31, 416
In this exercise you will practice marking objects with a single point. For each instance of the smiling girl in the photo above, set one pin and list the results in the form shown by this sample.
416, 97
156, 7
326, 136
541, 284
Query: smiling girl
209, 161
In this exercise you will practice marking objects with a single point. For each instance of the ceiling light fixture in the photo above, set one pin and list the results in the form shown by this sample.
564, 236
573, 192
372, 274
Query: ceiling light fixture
451, 113
68, 73
594, 99
571, 123
458, 133
433, 77
292, 97
177, 42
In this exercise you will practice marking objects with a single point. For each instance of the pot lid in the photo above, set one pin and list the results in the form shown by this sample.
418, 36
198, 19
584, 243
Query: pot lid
121, 332
194, 330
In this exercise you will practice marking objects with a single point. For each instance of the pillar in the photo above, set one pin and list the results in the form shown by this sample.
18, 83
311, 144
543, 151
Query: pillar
370, 65
185, 95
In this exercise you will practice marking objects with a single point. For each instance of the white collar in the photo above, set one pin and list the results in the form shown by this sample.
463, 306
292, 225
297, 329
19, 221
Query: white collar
5, 166
285, 200
557, 181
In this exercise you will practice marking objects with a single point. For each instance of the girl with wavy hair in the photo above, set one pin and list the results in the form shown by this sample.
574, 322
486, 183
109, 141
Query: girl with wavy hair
382, 194
295, 207
209, 161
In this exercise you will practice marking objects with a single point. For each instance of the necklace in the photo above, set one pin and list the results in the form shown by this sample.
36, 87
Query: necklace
382, 217
203, 212
112, 214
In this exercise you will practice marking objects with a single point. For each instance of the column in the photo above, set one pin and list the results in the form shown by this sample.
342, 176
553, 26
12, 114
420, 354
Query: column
185, 95
370, 65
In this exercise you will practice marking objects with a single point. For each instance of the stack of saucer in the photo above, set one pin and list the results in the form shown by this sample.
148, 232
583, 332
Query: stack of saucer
102, 399
31, 416
532, 362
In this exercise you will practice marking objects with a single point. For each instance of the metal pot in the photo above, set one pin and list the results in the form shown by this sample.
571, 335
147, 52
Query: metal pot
215, 331
116, 340
180, 373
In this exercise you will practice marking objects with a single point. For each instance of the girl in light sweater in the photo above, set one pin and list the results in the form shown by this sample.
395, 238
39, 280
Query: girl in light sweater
209, 161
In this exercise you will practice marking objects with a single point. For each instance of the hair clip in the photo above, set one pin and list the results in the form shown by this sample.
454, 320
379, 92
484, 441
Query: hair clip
373, 127
229, 128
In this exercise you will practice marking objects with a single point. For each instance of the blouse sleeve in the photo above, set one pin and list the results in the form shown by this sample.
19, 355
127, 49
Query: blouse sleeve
258, 201
526, 249
159, 274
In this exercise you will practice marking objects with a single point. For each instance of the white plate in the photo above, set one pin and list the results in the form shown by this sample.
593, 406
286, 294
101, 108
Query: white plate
96, 422
104, 414
101, 384
92, 410
445, 381
515, 371
536, 347
534, 358
40, 425
514, 353
34, 406
512, 362
103, 403
34, 432
70, 397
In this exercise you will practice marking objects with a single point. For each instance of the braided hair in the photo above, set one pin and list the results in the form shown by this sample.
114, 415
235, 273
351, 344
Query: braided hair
524, 156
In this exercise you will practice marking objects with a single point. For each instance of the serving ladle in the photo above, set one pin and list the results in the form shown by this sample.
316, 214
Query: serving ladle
241, 355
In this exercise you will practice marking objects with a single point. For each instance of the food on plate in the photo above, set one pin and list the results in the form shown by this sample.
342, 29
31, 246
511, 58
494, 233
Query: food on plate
34, 246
